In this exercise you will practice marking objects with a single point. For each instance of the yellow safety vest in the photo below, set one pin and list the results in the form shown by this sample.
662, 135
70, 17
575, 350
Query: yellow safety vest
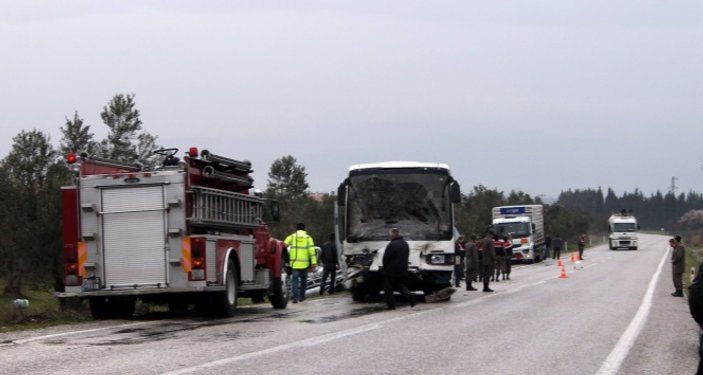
301, 250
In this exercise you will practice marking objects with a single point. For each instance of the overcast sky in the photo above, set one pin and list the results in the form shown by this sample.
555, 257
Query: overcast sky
539, 96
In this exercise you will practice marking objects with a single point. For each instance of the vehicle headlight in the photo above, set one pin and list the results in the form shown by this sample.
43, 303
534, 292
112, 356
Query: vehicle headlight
440, 259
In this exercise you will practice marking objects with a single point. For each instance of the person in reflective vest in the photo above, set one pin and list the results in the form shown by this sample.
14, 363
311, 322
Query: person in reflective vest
302, 257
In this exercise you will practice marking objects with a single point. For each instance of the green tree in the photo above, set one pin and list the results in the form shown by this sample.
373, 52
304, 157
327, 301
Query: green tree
31, 169
76, 137
287, 184
125, 140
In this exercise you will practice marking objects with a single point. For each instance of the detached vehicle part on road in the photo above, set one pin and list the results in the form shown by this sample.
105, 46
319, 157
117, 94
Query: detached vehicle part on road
415, 197
187, 232
623, 229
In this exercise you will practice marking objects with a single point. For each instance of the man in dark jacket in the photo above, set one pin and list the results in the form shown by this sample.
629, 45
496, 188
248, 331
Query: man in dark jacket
557, 243
695, 304
488, 260
329, 259
395, 269
678, 256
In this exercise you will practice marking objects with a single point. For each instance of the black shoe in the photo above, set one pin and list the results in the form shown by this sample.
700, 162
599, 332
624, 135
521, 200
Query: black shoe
412, 302
487, 290
677, 293
508, 277
295, 301
471, 288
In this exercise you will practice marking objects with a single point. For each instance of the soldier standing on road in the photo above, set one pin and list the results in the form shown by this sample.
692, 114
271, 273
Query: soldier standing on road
508, 249
302, 257
329, 260
471, 262
500, 257
489, 260
557, 243
678, 258
459, 254
395, 269
582, 245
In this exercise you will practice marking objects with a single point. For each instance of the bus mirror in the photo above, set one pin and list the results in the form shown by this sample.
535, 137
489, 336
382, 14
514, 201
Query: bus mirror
455, 192
342, 194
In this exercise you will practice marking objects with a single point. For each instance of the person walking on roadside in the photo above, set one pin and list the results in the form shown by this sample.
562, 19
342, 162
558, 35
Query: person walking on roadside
459, 254
678, 258
489, 260
395, 269
508, 250
329, 260
302, 257
471, 263
547, 247
581, 244
557, 243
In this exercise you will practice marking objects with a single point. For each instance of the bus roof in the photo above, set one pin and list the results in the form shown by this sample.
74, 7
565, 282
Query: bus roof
398, 165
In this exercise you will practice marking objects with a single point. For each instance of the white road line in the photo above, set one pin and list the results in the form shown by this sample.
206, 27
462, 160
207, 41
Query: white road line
622, 348
46, 337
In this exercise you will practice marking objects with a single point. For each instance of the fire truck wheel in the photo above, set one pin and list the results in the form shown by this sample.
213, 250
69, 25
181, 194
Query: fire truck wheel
228, 299
109, 308
279, 291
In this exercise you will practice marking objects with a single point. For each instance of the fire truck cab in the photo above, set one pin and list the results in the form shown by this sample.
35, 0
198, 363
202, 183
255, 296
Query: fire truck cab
188, 232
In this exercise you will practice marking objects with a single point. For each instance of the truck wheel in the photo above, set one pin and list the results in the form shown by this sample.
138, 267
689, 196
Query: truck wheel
111, 308
98, 308
279, 290
228, 298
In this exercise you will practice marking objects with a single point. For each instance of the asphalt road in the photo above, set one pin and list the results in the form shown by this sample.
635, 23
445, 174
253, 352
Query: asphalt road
615, 315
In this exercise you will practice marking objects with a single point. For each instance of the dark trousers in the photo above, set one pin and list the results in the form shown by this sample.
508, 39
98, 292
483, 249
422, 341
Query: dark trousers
393, 283
700, 352
557, 253
487, 272
581, 251
328, 270
678, 281
458, 269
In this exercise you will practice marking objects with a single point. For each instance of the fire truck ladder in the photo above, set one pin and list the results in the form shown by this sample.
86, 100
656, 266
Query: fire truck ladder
212, 207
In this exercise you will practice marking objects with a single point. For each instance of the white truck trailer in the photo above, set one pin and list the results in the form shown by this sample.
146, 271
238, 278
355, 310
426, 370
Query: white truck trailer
526, 226
623, 229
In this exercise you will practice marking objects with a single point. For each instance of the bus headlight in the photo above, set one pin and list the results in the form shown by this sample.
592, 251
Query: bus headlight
440, 259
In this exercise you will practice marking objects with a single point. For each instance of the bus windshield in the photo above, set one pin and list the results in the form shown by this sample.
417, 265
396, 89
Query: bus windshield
417, 203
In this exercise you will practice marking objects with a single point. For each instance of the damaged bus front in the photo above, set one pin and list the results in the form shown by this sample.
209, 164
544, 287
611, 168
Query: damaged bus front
416, 198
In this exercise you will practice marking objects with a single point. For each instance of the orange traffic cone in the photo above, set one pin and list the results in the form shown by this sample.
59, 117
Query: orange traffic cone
563, 273
559, 263
573, 257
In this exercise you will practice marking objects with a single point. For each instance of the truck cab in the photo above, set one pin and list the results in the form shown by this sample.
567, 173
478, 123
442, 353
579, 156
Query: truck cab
525, 224
623, 229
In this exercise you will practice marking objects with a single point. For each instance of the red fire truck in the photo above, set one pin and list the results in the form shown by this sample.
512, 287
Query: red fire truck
190, 232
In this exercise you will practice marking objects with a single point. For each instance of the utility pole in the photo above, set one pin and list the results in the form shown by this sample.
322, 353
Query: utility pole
673, 187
